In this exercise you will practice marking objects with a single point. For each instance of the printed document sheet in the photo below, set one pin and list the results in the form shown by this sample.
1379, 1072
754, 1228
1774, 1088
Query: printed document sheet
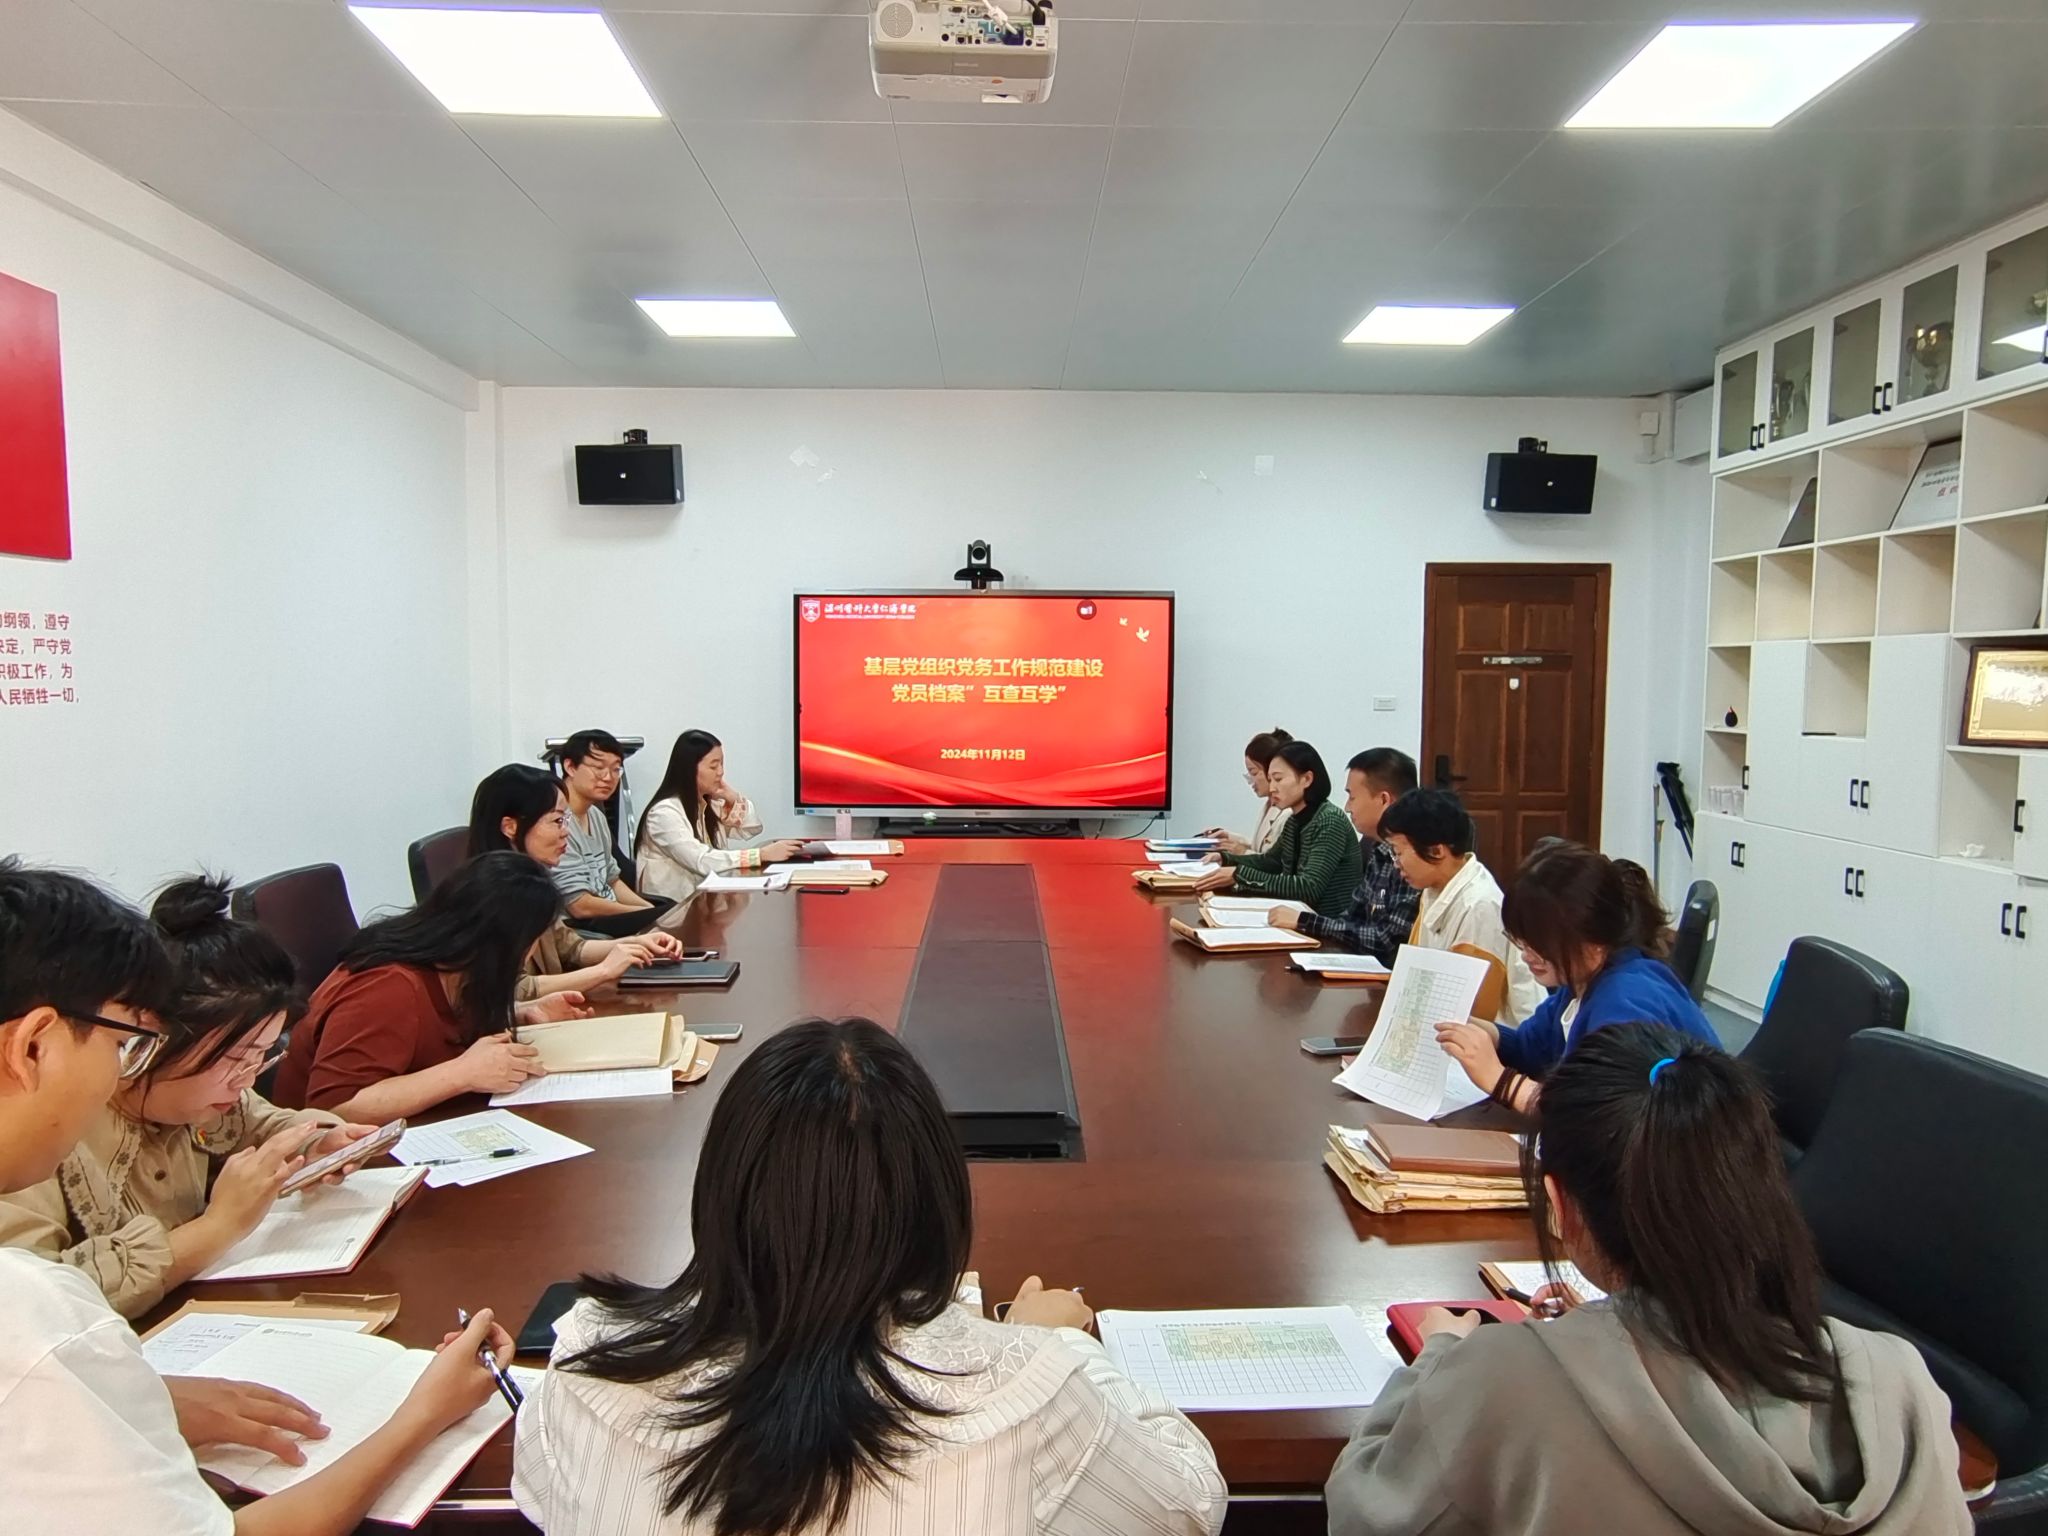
1402, 1066
1248, 1358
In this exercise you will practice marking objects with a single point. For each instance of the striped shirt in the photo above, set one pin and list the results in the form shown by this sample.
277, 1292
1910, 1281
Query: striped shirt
1043, 1437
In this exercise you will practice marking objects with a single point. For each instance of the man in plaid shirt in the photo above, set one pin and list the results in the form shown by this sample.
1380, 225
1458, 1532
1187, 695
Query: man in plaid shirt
1382, 909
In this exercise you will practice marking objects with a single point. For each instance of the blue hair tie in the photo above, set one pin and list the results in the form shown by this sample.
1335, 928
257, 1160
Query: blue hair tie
1659, 1068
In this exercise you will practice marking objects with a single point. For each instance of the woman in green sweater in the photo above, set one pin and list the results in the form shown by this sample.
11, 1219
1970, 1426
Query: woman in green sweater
1317, 858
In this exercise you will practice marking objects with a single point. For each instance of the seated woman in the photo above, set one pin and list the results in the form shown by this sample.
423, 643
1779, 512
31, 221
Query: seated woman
524, 808
1258, 752
683, 835
1592, 929
188, 1157
1708, 1393
1316, 859
1430, 834
811, 1369
420, 1006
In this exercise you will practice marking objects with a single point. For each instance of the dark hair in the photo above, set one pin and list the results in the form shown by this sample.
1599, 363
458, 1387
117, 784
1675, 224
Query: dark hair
680, 784
1303, 758
1263, 747
478, 923
583, 743
1429, 818
1681, 1186
232, 976
831, 1205
1386, 768
66, 944
519, 790
1566, 896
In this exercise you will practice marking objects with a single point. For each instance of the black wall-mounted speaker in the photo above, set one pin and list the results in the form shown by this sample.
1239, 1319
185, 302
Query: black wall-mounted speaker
1540, 482
629, 474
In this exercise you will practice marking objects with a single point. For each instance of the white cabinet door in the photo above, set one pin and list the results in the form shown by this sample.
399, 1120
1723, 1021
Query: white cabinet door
1833, 772
1746, 863
2022, 1037
1969, 979
1777, 706
2030, 824
1898, 802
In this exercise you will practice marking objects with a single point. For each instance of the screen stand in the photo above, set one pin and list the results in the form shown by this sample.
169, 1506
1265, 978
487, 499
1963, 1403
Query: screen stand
842, 826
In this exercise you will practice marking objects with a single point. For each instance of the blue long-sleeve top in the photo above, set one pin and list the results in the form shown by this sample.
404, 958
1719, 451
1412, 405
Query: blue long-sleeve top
1631, 988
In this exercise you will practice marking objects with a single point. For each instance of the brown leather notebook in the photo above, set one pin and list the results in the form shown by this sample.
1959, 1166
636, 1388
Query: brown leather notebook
1436, 1149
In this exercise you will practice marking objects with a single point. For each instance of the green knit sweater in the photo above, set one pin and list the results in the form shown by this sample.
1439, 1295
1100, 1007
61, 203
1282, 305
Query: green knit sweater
1317, 860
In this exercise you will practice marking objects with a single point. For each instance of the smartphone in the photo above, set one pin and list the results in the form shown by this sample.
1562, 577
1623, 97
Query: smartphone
536, 1335
1333, 1045
717, 1034
685, 958
822, 890
380, 1140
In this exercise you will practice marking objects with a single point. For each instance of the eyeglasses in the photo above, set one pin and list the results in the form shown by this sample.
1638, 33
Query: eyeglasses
139, 1044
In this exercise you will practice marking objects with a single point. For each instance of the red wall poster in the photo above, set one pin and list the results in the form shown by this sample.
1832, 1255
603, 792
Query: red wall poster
35, 503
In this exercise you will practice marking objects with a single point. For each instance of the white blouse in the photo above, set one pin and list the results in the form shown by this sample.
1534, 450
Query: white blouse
675, 856
1467, 911
1267, 832
1044, 1437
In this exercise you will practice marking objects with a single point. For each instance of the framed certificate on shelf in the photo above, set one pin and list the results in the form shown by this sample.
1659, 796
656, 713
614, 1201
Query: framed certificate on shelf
2006, 702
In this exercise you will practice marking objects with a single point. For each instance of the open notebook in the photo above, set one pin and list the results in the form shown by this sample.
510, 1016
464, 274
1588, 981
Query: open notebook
1219, 941
318, 1231
1227, 912
354, 1381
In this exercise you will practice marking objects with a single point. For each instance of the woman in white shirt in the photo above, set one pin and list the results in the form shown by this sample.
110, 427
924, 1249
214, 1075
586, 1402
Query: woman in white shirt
812, 1370
1430, 834
683, 835
1258, 753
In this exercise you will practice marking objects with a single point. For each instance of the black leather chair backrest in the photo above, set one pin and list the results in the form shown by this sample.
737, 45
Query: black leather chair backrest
1827, 993
433, 859
307, 911
1922, 1190
1699, 923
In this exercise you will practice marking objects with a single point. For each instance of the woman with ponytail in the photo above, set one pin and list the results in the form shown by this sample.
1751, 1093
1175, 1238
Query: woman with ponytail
188, 1157
1707, 1392
811, 1369
1592, 931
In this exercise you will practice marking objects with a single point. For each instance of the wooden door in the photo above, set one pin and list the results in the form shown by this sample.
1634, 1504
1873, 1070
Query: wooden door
1514, 700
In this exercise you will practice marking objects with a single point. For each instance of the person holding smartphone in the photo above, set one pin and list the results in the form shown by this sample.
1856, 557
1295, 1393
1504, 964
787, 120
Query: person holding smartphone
187, 1157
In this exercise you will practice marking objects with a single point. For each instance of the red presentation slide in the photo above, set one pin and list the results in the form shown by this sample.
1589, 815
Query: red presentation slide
1045, 701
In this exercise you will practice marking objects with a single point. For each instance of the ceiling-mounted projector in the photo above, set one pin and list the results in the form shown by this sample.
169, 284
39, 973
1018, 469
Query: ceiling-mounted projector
963, 50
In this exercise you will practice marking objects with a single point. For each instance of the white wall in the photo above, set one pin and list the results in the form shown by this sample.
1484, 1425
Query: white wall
267, 588
1300, 593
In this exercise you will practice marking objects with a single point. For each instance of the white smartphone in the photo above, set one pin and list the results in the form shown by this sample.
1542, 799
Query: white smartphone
380, 1140
717, 1034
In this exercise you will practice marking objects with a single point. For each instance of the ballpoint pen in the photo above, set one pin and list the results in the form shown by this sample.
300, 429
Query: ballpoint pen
506, 1385
449, 1162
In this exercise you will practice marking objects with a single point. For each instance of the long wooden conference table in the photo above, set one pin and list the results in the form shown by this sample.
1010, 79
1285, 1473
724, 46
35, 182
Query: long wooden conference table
1201, 1182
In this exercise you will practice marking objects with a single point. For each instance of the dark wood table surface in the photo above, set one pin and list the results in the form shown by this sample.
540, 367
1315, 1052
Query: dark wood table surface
1203, 1124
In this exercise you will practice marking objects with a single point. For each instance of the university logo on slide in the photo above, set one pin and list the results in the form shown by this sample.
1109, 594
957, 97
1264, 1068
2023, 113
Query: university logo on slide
811, 610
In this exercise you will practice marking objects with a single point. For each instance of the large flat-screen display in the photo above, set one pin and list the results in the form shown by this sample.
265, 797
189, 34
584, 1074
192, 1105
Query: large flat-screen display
987, 702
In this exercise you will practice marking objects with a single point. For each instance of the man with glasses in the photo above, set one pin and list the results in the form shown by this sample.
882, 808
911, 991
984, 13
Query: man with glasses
596, 896
91, 1438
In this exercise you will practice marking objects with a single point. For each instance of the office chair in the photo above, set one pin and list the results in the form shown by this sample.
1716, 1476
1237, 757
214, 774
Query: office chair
306, 910
1919, 1186
434, 858
1826, 993
1699, 923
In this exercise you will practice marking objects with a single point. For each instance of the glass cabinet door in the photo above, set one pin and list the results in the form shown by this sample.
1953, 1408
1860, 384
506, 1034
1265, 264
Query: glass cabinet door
1852, 365
2015, 330
1791, 402
1927, 336
1738, 405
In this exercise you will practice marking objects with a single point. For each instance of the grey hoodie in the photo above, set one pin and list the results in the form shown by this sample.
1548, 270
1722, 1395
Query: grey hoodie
1577, 1426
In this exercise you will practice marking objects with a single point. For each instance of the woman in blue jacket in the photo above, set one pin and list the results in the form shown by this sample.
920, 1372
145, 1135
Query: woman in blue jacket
1594, 932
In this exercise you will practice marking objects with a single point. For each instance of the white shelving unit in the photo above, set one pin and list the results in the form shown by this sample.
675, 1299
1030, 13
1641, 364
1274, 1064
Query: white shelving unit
1845, 654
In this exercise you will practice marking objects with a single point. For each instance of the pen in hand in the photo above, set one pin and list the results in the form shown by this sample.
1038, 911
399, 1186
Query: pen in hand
506, 1385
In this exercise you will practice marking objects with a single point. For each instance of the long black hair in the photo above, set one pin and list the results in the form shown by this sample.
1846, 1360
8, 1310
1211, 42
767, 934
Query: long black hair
232, 976
1566, 896
680, 784
1681, 1185
1303, 758
831, 1205
518, 790
478, 924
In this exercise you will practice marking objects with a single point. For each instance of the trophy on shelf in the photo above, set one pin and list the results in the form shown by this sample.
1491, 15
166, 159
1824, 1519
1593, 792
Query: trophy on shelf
1927, 359
1788, 403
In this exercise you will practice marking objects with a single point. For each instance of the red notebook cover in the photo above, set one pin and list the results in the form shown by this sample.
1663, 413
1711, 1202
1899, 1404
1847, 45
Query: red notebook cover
1404, 1321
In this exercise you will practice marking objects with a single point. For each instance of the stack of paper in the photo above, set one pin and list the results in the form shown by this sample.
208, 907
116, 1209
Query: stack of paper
321, 1230
1258, 940
1181, 845
486, 1145
618, 1042
355, 1382
1334, 967
1369, 1174
1243, 911
1171, 877
835, 872
870, 848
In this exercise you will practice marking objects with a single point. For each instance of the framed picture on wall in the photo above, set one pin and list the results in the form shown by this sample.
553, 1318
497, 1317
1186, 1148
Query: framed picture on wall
2006, 702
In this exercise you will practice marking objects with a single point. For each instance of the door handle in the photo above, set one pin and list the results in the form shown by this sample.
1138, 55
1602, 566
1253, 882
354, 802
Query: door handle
1848, 882
1859, 883
1863, 795
2005, 919
1444, 777
1876, 398
1887, 396
1745, 779
2019, 922
2019, 814
1852, 794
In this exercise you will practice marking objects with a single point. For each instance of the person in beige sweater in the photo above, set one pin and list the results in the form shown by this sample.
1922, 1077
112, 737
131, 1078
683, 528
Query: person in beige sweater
187, 1158
1706, 1393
